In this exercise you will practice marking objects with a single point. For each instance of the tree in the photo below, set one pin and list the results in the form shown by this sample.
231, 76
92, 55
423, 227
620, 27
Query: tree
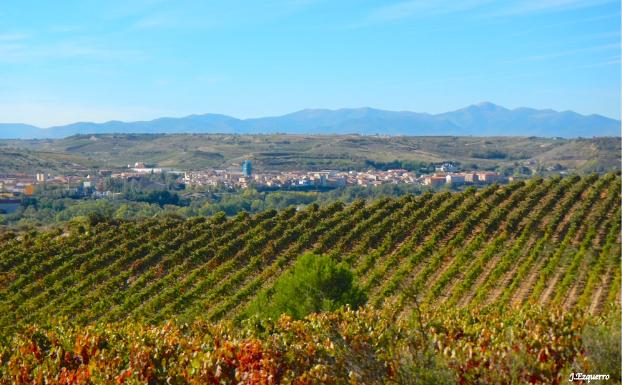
315, 283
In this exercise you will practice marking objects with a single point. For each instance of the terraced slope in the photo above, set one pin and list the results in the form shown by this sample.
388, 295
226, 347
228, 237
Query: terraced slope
553, 241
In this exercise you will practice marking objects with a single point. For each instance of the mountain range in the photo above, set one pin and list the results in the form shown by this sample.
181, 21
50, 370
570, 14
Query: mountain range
483, 119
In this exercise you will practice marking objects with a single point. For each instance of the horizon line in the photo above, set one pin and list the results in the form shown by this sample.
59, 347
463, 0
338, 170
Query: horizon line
478, 104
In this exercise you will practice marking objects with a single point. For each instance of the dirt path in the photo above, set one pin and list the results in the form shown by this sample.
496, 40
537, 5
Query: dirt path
524, 289
598, 299
578, 286
506, 278
468, 296
546, 294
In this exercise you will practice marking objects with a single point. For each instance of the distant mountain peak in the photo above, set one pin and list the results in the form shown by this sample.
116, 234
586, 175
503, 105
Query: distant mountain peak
482, 119
486, 106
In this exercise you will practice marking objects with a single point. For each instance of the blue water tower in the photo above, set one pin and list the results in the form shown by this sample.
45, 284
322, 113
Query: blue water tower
247, 168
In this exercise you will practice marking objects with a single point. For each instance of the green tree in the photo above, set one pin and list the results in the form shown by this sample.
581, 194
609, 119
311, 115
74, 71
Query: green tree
315, 283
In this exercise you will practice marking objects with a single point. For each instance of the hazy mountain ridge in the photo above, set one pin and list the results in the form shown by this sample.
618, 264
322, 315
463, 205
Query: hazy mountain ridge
20, 131
483, 119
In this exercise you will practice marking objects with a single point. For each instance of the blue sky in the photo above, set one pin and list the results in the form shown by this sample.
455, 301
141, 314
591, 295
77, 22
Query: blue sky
64, 61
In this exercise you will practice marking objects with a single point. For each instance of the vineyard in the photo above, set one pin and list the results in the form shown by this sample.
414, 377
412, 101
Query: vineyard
367, 346
550, 242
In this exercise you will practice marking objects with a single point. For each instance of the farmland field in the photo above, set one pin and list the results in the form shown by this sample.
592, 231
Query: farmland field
83, 153
543, 244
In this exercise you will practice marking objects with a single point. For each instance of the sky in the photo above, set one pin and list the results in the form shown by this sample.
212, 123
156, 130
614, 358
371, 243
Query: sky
65, 61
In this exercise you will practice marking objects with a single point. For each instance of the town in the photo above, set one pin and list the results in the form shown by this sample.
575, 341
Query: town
446, 174
14, 187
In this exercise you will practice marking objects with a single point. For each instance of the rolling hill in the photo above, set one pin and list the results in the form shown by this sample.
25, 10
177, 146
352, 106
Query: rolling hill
524, 278
306, 152
483, 119
552, 241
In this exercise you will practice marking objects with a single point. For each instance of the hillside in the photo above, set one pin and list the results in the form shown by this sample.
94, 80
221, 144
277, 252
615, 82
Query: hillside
523, 278
300, 152
20, 160
482, 119
550, 241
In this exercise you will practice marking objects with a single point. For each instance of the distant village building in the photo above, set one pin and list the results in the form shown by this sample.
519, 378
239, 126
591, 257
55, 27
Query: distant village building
447, 167
434, 180
321, 178
148, 170
471, 177
29, 189
339, 181
141, 168
455, 179
489, 177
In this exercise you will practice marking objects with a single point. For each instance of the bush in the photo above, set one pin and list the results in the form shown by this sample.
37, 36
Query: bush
601, 341
315, 283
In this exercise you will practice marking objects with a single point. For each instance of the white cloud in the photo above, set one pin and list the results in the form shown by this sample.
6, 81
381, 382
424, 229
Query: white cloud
13, 37
157, 21
566, 23
20, 51
412, 8
605, 63
570, 52
538, 6
486, 8
206, 15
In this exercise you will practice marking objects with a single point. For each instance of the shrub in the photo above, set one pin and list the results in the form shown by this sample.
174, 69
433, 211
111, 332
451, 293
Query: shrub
601, 341
314, 283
